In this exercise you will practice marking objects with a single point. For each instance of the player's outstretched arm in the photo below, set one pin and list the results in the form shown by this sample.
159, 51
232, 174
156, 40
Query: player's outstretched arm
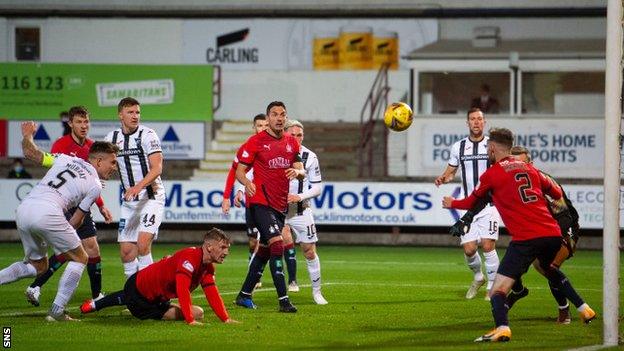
31, 151
214, 299
447, 176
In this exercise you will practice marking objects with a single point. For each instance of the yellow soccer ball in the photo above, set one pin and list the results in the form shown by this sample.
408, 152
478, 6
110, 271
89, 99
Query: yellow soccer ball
398, 116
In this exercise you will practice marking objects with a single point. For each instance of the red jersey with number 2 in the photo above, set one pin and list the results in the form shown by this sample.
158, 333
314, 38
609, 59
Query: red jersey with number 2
270, 157
517, 190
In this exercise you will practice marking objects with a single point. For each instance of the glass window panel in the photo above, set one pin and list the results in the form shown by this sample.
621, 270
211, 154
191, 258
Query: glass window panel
563, 93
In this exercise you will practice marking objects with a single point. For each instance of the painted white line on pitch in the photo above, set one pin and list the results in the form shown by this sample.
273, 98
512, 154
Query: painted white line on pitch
591, 348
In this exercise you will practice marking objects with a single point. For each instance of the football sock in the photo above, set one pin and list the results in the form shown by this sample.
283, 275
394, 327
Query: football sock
94, 268
54, 263
314, 269
256, 267
130, 268
474, 263
290, 256
277, 269
558, 295
517, 292
67, 285
491, 266
115, 299
561, 282
499, 309
145, 261
17, 271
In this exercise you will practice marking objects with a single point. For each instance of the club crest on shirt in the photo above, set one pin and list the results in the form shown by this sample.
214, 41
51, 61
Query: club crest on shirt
188, 266
289, 148
245, 154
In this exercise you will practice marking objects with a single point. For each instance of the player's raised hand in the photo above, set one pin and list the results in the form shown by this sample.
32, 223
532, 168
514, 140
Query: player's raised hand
29, 128
447, 201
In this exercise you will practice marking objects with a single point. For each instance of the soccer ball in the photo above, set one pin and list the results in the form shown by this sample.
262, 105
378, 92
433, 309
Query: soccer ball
398, 116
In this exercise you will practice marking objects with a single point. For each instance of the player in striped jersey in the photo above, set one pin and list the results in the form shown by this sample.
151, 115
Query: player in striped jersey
140, 165
299, 218
40, 218
470, 154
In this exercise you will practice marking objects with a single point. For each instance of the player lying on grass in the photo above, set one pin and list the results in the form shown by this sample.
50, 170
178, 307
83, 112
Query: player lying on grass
567, 217
147, 293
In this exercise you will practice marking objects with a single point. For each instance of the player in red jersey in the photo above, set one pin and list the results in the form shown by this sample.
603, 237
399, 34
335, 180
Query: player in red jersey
147, 293
517, 189
274, 156
76, 144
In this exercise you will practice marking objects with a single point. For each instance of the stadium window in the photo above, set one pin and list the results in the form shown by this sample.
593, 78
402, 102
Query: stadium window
27, 44
456, 92
563, 93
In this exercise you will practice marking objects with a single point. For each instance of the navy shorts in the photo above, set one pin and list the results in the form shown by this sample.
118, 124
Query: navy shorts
252, 231
268, 220
139, 306
87, 229
521, 254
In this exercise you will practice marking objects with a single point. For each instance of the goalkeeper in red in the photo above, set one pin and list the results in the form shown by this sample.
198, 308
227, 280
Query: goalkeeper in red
518, 191
147, 293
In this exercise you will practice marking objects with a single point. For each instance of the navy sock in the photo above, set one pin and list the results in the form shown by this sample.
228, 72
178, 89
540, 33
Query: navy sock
54, 263
254, 273
114, 299
499, 309
290, 256
94, 268
561, 282
558, 295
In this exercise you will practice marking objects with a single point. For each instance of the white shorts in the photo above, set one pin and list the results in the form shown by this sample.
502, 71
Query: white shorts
39, 224
303, 227
139, 216
485, 225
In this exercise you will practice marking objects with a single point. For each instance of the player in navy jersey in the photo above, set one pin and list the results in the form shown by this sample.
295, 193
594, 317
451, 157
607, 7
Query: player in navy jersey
140, 165
147, 293
77, 144
518, 191
470, 154
40, 218
274, 156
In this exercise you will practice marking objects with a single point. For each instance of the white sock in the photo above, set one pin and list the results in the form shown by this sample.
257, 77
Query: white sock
67, 285
474, 263
491, 266
582, 307
130, 268
145, 261
17, 271
314, 269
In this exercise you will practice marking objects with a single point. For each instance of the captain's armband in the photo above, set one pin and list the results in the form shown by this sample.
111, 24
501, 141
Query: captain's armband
47, 160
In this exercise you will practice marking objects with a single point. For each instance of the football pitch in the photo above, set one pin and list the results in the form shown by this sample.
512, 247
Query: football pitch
379, 298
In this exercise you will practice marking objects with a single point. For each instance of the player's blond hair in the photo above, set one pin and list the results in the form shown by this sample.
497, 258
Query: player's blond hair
521, 150
293, 123
216, 234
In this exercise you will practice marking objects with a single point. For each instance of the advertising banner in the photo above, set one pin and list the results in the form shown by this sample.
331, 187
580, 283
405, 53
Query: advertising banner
564, 147
179, 141
166, 92
304, 44
361, 204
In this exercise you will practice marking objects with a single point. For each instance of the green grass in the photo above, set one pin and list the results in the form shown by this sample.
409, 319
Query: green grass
379, 298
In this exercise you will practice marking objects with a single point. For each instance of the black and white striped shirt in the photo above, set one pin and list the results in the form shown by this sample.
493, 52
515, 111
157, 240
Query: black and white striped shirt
472, 158
133, 163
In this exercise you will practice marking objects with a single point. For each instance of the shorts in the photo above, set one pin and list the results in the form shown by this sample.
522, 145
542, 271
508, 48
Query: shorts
485, 225
87, 229
268, 220
521, 254
139, 306
252, 231
140, 216
42, 223
303, 227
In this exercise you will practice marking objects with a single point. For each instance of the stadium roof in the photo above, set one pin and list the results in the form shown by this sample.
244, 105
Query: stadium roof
527, 49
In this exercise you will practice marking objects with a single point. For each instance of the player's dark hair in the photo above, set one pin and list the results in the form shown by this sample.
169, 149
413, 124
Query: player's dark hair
521, 150
260, 116
102, 147
78, 111
473, 110
127, 102
216, 234
273, 104
501, 136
